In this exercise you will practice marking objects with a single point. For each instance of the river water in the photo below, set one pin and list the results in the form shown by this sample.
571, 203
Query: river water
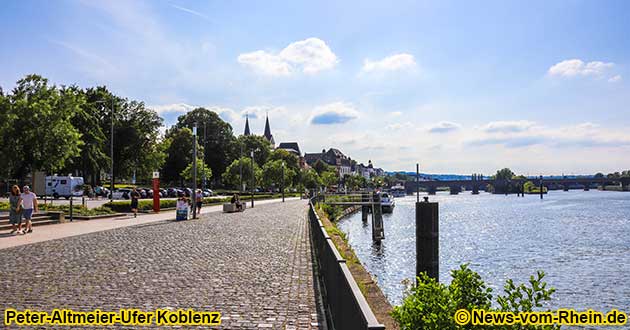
581, 239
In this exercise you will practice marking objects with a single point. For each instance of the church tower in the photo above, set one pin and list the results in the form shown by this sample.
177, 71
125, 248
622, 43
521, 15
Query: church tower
247, 132
268, 134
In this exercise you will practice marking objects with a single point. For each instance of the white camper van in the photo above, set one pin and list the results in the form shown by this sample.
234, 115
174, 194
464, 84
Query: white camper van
64, 186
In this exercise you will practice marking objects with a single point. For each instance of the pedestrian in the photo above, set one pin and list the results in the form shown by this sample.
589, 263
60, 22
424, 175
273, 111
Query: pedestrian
15, 210
135, 196
236, 200
199, 200
29, 204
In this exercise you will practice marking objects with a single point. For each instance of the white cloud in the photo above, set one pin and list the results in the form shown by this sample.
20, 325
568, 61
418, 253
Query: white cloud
310, 56
398, 126
333, 113
226, 114
507, 126
261, 111
577, 67
172, 108
391, 63
396, 113
616, 78
444, 127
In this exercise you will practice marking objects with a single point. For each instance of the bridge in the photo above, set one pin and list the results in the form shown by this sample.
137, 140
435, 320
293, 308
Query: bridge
479, 182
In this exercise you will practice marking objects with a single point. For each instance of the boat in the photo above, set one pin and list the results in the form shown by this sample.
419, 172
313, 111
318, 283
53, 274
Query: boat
387, 203
398, 191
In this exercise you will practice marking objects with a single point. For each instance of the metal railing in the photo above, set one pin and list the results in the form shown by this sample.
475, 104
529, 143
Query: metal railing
344, 301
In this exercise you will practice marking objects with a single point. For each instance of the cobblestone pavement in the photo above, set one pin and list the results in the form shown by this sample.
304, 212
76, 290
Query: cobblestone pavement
253, 267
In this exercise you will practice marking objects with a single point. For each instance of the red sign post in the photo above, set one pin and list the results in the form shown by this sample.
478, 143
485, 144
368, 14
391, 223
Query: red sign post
156, 192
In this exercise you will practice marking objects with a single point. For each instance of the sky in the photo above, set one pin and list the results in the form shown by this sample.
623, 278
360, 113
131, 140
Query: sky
462, 87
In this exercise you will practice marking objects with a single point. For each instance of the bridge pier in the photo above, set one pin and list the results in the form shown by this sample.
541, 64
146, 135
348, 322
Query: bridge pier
475, 185
454, 190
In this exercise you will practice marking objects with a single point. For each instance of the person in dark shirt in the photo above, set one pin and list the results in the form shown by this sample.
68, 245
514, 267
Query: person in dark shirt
135, 196
236, 199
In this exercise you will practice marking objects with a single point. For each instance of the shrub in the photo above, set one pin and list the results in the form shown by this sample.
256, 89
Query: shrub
432, 305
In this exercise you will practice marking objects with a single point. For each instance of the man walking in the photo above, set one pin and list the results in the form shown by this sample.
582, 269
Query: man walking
29, 203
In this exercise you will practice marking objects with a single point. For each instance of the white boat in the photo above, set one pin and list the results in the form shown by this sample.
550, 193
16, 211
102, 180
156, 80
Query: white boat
398, 191
387, 202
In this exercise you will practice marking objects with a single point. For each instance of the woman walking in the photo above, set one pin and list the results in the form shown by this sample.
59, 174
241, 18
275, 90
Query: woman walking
198, 201
15, 210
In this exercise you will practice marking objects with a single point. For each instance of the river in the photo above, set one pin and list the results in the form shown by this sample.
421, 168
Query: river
581, 239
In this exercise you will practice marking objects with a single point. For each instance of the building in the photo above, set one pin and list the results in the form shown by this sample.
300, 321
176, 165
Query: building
367, 171
333, 157
293, 148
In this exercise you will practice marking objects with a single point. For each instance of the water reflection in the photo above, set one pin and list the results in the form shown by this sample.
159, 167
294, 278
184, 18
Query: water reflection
580, 239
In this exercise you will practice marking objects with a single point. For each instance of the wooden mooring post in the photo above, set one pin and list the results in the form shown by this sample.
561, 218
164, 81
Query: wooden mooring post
365, 198
378, 233
427, 239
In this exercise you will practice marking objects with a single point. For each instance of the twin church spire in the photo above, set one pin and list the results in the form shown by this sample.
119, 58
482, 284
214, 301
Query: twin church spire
267, 133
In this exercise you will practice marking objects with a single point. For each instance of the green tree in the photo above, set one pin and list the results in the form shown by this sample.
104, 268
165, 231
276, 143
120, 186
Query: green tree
40, 135
329, 178
272, 174
599, 175
291, 161
136, 131
178, 146
232, 175
310, 179
504, 174
260, 146
320, 167
355, 182
5, 123
88, 120
201, 169
220, 147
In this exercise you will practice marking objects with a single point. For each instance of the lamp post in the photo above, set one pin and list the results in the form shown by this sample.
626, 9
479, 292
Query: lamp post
253, 179
111, 151
283, 181
203, 184
194, 174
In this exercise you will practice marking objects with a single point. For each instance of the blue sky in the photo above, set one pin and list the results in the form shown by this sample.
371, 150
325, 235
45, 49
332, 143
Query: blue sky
459, 86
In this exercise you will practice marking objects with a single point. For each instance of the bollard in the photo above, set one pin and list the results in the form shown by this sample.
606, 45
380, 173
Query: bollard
427, 239
71, 198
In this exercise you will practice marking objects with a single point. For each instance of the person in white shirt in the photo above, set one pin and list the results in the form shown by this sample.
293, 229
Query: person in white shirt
29, 204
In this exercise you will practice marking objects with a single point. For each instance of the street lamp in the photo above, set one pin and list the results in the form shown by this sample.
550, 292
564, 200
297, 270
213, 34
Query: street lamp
111, 152
283, 181
194, 174
253, 178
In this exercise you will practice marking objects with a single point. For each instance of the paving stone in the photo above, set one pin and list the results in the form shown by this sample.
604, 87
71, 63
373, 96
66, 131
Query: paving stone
253, 267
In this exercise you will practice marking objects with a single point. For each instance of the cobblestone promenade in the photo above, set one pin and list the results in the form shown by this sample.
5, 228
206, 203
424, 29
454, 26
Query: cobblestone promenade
253, 267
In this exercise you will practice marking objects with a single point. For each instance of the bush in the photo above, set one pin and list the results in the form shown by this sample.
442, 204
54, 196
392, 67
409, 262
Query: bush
76, 209
432, 305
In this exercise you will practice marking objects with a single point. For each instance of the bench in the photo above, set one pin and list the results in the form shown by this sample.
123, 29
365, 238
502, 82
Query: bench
229, 208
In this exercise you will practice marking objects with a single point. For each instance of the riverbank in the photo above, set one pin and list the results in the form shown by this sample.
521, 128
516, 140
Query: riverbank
371, 291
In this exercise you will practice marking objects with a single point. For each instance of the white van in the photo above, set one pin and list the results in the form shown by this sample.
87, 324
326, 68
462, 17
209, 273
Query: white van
64, 186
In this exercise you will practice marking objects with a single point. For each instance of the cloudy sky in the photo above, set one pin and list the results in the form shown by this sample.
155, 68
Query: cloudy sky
460, 87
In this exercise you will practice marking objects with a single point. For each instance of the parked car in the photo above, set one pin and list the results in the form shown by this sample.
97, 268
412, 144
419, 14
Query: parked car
121, 194
142, 192
207, 193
